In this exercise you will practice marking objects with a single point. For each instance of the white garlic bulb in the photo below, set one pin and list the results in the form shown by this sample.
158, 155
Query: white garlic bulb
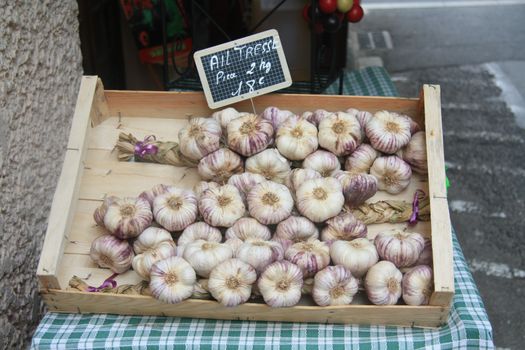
417, 285
280, 284
334, 285
361, 160
388, 131
415, 153
383, 283
151, 194
392, 173
362, 117
296, 138
270, 164
357, 255
311, 256
246, 228
297, 176
234, 243
222, 206
220, 165
175, 209
259, 254
296, 229
400, 247
357, 188
152, 245
101, 211
202, 186
172, 280
325, 163
244, 182
127, 217
249, 134
199, 138
230, 282
270, 202
343, 227
199, 230
317, 116
203, 256
320, 199
340, 133
276, 116
111, 252
225, 116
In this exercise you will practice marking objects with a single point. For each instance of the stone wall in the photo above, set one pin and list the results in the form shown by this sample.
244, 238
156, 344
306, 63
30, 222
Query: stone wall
40, 70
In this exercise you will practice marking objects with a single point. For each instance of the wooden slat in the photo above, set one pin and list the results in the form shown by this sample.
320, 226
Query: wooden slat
79, 302
440, 219
100, 110
65, 197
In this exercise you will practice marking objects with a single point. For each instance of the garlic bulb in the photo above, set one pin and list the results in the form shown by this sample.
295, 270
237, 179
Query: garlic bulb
308, 286
296, 138
320, 199
296, 229
100, 212
175, 209
200, 289
259, 254
417, 285
392, 173
197, 231
357, 255
361, 160
172, 280
325, 163
200, 137
155, 191
296, 177
249, 134
383, 283
340, 133
202, 186
334, 285
276, 116
270, 164
357, 188
127, 217
414, 127
310, 256
415, 153
231, 282
220, 165
222, 206
225, 116
307, 115
425, 258
203, 256
280, 284
111, 252
270, 202
400, 247
244, 182
388, 131
152, 245
343, 227
362, 117
317, 116
246, 228
234, 243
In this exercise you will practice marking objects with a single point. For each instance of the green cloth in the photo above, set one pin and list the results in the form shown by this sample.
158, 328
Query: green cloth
467, 328
369, 81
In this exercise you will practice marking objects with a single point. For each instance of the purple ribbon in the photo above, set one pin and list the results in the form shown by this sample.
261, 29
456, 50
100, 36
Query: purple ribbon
109, 282
144, 147
415, 208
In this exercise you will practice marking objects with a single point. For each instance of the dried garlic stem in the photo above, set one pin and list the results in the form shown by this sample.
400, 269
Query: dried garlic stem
391, 211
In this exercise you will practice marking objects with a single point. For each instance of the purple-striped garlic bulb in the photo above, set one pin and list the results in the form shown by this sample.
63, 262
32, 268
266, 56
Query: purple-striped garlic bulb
280, 284
128, 217
296, 229
259, 253
244, 182
246, 228
199, 230
317, 116
392, 173
155, 191
176, 209
222, 206
296, 138
270, 164
270, 202
334, 285
361, 160
417, 285
344, 227
202, 186
152, 245
297, 176
203, 256
324, 162
230, 282
340, 133
383, 283
276, 116
388, 131
400, 247
110, 252
100, 212
414, 127
311, 256
220, 165
357, 255
362, 117
357, 188
425, 258
249, 134
172, 280
200, 137
415, 153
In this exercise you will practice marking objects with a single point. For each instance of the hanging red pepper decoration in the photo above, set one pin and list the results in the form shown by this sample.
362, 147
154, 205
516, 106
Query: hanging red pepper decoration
356, 13
327, 6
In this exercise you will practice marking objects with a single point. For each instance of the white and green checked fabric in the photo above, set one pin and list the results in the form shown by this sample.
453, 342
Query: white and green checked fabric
369, 81
467, 328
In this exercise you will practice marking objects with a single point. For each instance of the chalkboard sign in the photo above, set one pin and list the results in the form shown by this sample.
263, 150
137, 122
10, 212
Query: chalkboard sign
243, 68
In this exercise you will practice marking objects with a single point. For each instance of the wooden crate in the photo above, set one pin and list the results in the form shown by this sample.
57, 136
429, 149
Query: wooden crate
91, 171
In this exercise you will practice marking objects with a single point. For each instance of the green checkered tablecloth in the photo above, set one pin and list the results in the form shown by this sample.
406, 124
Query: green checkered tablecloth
369, 81
467, 328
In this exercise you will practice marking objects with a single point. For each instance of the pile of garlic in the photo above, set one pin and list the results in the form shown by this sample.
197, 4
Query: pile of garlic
270, 219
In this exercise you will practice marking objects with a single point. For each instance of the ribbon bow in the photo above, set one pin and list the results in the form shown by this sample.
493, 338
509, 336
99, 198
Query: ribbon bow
145, 147
109, 282
415, 208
